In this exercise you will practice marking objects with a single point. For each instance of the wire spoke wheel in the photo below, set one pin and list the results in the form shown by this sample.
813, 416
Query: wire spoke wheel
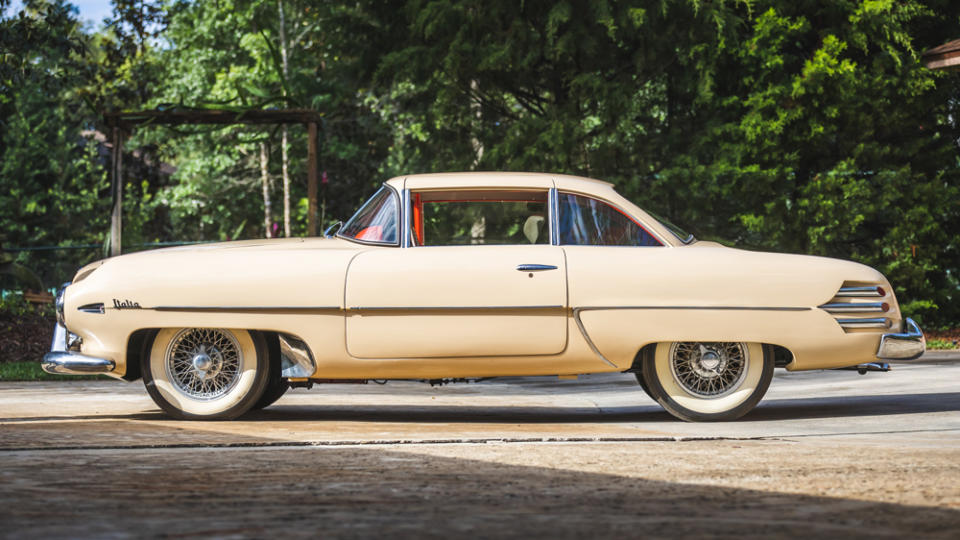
204, 363
701, 381
709, 370
206, 373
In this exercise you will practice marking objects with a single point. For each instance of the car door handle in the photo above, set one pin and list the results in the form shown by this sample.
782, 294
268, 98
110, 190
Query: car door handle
535, 267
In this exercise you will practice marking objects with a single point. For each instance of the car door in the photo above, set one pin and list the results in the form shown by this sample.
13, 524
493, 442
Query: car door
456, 295
457, 301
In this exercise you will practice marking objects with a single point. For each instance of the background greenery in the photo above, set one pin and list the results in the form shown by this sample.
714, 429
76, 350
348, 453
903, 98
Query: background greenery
787, 125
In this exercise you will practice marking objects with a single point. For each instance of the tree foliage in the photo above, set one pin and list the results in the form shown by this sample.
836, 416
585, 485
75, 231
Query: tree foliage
802, 125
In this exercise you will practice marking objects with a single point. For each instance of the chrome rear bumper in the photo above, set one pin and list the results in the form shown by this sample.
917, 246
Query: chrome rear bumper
907, 345
62, 361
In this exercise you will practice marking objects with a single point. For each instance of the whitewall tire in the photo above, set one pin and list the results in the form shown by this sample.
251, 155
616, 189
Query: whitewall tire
206, 373
702, 382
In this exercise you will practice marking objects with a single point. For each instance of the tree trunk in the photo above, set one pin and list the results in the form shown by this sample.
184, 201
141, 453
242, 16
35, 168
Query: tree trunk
477, 111
283, 42
116, 216
265, 178
286, 183
283, 144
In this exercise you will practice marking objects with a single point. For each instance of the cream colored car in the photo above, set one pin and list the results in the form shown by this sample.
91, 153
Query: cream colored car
468, 275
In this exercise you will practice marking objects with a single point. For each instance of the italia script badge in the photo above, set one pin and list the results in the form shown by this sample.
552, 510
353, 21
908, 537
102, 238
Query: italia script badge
125, 304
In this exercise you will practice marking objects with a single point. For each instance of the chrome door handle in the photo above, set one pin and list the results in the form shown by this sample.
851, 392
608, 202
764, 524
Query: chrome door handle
535, 267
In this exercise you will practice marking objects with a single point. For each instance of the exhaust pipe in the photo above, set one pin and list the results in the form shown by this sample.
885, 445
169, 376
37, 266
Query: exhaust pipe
869, 366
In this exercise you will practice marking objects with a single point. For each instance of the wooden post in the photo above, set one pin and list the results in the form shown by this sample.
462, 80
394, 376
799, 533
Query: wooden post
116, 218
312, 179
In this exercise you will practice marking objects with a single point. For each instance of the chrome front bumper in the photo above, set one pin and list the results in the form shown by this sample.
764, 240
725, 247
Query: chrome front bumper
907, 345
62, 361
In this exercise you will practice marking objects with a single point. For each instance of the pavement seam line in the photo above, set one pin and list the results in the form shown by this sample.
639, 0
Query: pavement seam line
386, 442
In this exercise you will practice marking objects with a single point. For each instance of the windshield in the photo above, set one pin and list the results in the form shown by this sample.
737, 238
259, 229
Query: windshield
376, 221
681, 234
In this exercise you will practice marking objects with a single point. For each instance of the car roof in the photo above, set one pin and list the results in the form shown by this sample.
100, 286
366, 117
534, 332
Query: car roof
498, 179
520, 180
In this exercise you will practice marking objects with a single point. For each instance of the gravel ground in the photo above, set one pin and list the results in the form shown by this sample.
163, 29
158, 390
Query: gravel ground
706, 489
827, 454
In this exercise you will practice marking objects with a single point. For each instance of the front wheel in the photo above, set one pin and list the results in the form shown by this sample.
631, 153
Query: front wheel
206, 373
276, 385
708, 381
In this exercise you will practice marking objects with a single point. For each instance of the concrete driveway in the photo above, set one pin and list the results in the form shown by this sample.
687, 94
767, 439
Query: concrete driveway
830, 453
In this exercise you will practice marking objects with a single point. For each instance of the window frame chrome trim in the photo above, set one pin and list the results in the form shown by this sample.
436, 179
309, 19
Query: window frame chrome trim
408, 214
405, 227
554, 201
399, 205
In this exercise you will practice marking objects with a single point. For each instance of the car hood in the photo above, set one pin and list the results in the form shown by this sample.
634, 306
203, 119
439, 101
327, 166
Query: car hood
265, 246
293, 273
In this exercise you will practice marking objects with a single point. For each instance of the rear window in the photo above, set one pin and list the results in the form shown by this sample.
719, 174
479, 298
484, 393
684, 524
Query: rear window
589, 222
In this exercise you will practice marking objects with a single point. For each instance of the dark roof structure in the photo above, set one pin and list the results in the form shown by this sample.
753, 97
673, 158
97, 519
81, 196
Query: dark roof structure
945, 57
176, 116
121, 123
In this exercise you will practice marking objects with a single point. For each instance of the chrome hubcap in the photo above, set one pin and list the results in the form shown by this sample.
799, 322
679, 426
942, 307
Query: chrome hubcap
709, 370
204, 363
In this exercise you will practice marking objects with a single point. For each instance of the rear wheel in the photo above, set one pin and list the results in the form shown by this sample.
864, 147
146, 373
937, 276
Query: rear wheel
708, 381
206, 373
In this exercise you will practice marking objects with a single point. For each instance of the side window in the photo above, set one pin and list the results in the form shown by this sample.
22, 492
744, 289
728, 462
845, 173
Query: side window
453, 218
375, 221
589, 222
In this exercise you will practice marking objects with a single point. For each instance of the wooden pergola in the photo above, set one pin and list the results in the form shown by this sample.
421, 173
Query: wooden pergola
122, 123
945, 57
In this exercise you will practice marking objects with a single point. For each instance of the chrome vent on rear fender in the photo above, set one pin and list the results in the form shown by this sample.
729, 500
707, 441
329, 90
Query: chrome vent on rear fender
857, 306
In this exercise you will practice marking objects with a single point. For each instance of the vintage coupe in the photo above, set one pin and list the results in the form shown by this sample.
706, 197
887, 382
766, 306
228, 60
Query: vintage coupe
468, 275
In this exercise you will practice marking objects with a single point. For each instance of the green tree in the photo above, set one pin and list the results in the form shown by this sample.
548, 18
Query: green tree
51, 174
226, 55
798, 126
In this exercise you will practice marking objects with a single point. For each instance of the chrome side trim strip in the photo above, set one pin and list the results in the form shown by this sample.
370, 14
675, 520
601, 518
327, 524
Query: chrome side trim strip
858, 291
300, 309
452, 308
858, 307
241, 309
907, 345
709, 308
864, 323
